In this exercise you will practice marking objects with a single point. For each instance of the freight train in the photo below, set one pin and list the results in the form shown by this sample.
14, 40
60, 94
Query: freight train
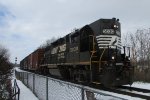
91, 54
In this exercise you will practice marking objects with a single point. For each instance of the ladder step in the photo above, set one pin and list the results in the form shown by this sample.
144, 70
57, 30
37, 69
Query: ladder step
94, 56
96, 82
95, 61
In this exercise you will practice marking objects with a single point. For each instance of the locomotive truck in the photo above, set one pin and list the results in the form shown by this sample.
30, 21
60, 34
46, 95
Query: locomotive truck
91, 54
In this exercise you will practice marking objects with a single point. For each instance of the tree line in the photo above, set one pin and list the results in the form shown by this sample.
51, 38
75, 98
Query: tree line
5, 74
139, 42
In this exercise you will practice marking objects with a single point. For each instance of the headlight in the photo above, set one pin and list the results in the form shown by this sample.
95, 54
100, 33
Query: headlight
116, 26
113, 57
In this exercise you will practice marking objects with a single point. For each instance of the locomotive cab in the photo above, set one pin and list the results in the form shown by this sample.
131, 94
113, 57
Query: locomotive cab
113, 68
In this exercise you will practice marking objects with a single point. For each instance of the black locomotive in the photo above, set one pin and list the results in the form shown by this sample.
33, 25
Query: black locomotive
91, 54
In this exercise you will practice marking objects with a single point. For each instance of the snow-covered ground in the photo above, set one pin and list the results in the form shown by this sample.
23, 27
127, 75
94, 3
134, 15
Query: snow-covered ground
141, 85
25, 93
135, 84
18, 69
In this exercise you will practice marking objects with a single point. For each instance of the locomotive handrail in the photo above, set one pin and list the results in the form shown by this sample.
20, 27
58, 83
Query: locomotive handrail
91, 60
93, 41
101, 58
93, 51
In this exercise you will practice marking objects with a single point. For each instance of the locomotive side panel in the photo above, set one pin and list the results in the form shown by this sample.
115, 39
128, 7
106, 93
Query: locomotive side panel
86, 36
57, 51
73, 53
72, 48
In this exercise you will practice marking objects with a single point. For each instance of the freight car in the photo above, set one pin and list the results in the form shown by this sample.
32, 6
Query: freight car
91, 54
32, 61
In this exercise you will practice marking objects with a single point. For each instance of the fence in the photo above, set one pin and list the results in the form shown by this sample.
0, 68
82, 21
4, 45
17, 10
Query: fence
47, 88
16, 91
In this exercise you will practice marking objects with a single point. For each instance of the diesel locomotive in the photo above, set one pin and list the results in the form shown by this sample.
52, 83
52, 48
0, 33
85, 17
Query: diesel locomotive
91, 54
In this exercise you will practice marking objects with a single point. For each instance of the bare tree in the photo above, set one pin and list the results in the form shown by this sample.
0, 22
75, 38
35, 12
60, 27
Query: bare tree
140, 53
140, 47
134, 46
129, 40
5, 73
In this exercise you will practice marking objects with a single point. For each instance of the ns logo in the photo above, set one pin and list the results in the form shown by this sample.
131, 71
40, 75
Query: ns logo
58, 49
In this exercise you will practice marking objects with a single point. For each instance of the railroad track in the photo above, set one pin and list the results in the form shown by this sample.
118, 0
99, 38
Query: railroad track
130, 93
135, 89
138, 92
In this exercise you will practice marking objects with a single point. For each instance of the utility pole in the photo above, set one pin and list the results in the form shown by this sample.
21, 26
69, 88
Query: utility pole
15, 61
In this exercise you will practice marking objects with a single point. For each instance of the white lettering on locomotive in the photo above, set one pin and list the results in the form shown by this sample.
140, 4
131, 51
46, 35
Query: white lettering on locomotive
60, 48
54, 50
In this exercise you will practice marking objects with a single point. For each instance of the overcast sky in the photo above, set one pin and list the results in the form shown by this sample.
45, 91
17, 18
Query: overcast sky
25, 24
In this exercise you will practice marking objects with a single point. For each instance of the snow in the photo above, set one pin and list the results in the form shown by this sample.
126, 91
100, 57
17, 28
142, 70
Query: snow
25, 93
135, 84
117, 95
141, 85
18, 69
